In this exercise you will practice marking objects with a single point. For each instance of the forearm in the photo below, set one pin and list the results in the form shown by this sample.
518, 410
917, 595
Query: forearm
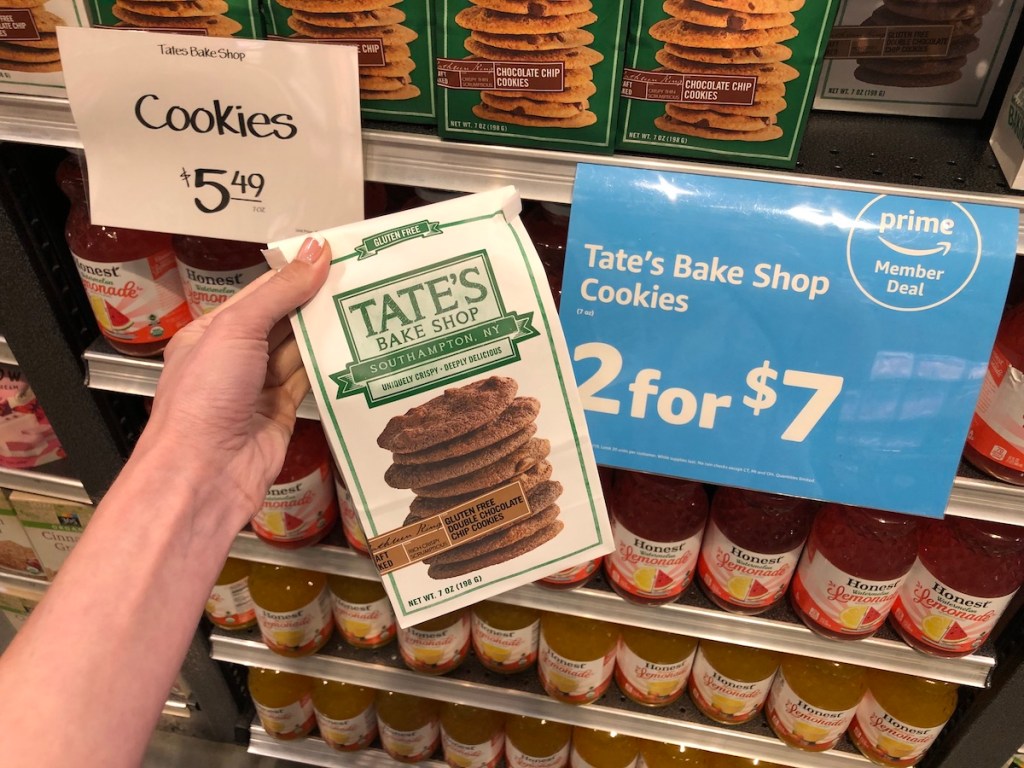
84, 681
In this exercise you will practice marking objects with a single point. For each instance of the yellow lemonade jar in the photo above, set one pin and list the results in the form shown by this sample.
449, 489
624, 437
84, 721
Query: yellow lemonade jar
577, 657
471, 737
409, 726
284, 702
346, 715
659, 754
602, 749
652, 667
362, 611
505, 637
293, 608
533, 743
729, 683
436, 646
230, 604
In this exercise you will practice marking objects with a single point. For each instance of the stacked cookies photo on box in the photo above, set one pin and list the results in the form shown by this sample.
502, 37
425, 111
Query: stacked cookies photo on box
39, 55
466, 443
204, 16
370, 20
964, 17
728, 37
538, 31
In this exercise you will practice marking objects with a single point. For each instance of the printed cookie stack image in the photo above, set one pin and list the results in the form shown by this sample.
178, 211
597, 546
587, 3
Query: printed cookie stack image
204, 15
33, 55
963, 16
535, 31
728, 37
362, 20
465, 443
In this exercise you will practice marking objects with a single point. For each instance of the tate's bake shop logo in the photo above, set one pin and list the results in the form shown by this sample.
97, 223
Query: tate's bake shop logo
909, 254
422, 329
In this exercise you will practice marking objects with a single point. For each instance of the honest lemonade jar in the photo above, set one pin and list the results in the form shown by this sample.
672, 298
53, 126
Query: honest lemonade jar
284, 702
346, 715
533, 743
352, 529
577, 657
659, 754
300, 506
436, 646
505, 637
657, 524
410, 729
577, 576
731, 761
729, 683
602, 749
214, 270
854, 563
751, 547
471, 737
652, 667
966, 574
230, 604
362, 611
900, 716
293, 608
812, 701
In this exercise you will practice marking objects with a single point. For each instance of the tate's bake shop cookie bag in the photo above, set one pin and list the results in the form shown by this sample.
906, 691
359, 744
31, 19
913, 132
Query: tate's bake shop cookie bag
726, 80
938, 58
396, 55
211, 18
536, 73
446, 391
29, 58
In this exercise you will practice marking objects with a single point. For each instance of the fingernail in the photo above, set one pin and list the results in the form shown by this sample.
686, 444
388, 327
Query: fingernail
311, 249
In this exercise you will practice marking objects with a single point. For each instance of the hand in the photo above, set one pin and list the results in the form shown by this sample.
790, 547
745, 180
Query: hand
232, 381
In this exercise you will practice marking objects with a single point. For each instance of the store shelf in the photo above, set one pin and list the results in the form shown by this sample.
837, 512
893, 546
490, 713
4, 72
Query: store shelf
6, 356
777, 630
53, 479
176, 708
110, 371
471, 684
314, 751
24, 587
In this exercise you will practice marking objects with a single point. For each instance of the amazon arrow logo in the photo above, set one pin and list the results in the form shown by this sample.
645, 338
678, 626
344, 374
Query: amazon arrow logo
942, 247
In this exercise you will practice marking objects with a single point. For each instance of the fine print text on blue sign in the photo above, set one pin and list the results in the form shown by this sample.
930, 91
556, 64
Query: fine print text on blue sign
806, 341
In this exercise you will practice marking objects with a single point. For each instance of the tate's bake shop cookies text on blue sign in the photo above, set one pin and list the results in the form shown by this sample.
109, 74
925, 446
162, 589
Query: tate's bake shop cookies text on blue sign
795, 340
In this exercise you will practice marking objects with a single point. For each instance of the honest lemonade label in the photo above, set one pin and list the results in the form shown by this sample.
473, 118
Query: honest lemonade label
573, 575
297, 509
740, 576
507, 650
289, 721
732, 701
938, 615
426, 651
443, 382
484, 755
578, 682
349, 732
298, 631
205, 290
648, 568
647, 682
411, 746
364, 624
231, 605
839, 601
886, 740
516, 758
813, 728
996, 428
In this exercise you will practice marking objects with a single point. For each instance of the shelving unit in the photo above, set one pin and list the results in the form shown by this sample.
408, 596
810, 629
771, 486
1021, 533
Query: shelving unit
522, 694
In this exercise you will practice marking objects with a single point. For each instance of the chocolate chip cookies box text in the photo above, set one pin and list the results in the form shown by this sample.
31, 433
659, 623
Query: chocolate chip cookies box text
395, 43
726, 80
916, 57
30, 60
540, 74
446, 391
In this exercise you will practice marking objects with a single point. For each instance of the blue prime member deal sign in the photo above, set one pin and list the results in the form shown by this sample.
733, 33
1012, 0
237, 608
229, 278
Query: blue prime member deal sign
796, 340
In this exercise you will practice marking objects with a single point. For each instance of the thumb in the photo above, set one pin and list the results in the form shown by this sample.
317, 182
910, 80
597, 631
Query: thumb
287, 289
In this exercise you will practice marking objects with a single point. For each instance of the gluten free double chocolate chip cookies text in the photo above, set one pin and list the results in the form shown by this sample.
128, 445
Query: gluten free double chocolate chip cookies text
463, 444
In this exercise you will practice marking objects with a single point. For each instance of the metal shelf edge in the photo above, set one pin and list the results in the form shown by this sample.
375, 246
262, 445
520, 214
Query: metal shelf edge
6, 356
24, 587
45, 483
314, 751
640, 724
695, 621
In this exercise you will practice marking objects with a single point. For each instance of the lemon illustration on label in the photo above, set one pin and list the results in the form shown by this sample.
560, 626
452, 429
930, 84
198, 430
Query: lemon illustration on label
563, 683
739, 586
812, 734
935, 626
429, 656
356, 628
453, 758
725, 704
495, 652
273, 521
406, 750
288, 638
852, 616
644, 578
338, 737
893, 747
661, 688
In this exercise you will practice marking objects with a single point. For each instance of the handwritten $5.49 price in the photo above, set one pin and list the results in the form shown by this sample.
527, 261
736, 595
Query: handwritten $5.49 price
678, 406
220, 187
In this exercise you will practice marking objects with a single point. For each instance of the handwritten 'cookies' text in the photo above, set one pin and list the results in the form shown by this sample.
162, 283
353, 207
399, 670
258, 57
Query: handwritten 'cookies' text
219, 118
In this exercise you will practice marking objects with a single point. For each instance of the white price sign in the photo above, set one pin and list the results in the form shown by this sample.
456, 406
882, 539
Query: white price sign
240, 139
